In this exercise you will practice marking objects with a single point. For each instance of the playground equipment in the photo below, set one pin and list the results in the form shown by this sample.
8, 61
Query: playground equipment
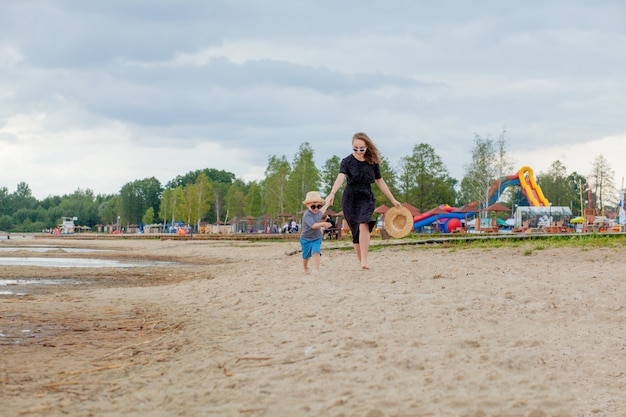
445, 216
447, 220
525, 179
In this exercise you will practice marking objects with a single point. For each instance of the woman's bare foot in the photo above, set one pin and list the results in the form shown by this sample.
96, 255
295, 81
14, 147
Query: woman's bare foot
365, 267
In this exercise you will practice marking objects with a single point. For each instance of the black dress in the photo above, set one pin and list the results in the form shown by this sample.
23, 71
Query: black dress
358, 202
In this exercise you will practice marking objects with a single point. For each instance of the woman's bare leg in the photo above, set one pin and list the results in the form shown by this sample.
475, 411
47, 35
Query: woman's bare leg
364, 244
357, 250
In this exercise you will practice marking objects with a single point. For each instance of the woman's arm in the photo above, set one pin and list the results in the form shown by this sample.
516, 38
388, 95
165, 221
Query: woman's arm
385, 189
336, 186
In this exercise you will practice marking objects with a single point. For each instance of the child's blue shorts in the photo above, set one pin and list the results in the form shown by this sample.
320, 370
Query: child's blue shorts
309, 247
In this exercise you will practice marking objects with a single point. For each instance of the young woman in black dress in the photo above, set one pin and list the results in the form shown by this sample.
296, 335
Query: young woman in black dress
360, 169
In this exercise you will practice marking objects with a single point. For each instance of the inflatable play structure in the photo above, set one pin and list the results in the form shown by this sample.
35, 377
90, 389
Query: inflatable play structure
525, 179
445, 216
449, 218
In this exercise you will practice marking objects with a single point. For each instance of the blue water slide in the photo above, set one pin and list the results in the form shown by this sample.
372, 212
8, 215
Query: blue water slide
505, 183
431, 219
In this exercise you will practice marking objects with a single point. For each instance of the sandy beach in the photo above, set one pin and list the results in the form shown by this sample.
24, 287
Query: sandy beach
235, 328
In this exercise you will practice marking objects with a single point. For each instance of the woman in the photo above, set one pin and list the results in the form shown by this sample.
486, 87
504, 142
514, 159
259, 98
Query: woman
360, 169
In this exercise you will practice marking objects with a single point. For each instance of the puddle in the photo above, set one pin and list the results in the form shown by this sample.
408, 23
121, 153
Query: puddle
42, 249
77, 263
12, 282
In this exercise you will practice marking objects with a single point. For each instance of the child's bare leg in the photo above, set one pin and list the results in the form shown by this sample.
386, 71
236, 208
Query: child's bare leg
305, 264
316, 261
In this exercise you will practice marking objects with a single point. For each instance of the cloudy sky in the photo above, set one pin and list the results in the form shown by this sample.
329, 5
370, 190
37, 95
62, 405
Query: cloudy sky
95, 94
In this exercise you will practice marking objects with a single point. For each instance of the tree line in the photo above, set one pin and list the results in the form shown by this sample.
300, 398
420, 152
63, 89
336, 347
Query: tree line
210, 195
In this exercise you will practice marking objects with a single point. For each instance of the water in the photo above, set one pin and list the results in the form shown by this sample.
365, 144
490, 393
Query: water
77, 262
12, 282
15, 286
43, 249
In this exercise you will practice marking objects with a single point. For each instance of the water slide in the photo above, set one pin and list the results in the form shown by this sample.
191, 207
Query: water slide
526, 180
427, 219
523, 178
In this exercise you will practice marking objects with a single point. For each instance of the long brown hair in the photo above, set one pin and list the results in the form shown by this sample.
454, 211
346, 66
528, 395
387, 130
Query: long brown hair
371, 154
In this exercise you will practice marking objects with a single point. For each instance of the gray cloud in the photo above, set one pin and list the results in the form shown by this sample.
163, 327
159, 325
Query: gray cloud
271, 75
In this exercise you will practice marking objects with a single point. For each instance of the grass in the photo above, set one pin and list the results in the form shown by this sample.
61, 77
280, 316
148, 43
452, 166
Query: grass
530, 243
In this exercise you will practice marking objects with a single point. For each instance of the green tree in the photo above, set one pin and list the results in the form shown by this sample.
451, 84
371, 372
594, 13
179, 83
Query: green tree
234, 201
5, 201
148, 218
213, 175
328, 174
424, 179
274, 187
489, 163
6, 223
601, 181
254, 199
556, 186
578, 184
389, 175
22, 198
81, 204
218, 191
172, 205
167, 204
198, 199
135, 198
108, 209
304, 177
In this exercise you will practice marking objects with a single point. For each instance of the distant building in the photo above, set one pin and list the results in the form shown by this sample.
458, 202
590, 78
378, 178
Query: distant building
67, 226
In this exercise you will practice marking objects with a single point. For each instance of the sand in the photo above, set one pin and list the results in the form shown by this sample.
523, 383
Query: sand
238, 329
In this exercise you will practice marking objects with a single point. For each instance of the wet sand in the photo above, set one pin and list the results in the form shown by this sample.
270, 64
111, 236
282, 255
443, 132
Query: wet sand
236, 329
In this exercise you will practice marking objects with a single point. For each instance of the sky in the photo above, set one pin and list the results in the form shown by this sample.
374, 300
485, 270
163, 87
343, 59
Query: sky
97, 94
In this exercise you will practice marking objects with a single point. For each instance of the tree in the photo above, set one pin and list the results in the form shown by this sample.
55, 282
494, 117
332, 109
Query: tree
167, 205
198, 199
213, 175
148, 218
556, 186
135, 198
303, 177
274, 193
172, 204
21, 198
328, 173
81, 204
389, 176
5, 202
577, 183
6, 223
424, 180
254, 199
489, 163
108, 209
218, 191
234, 201
602, 183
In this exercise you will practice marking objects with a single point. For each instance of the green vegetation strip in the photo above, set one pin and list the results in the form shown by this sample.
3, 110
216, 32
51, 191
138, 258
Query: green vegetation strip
583, 240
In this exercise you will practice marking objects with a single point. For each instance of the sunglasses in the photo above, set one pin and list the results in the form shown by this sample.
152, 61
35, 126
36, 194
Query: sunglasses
359, 149
318, 206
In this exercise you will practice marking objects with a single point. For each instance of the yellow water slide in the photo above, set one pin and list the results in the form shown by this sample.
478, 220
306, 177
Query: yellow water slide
530, 188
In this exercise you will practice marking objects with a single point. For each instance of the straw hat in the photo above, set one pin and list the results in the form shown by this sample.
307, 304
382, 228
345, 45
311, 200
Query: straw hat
398, 221
313, 197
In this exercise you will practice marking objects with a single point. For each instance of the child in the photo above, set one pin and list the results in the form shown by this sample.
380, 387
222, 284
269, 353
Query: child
312, 229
